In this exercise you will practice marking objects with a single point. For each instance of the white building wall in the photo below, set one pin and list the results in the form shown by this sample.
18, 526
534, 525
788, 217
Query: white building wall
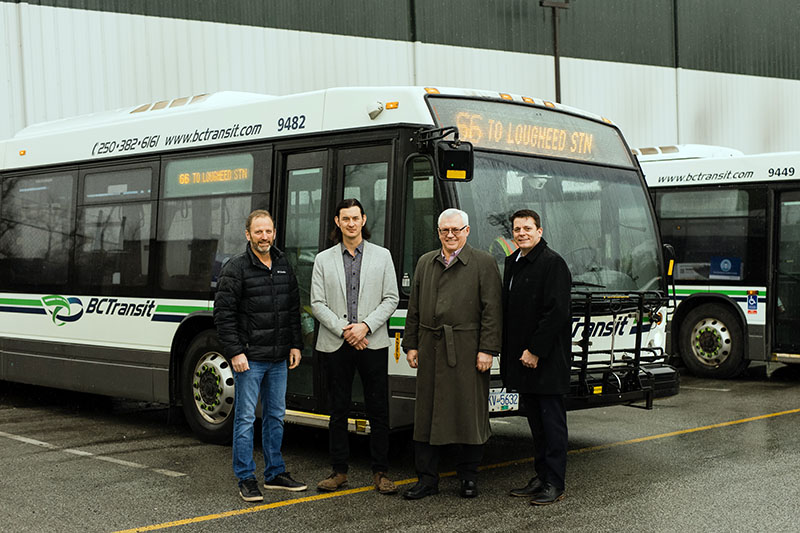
12, 104
57, 62
751, 113
640, 99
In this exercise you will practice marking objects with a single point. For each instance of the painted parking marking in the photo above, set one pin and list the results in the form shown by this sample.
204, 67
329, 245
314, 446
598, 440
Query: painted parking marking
82, 453
284, 503
711, 389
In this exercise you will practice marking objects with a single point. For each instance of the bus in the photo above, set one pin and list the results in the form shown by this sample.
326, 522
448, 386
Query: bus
114, 228
734, 222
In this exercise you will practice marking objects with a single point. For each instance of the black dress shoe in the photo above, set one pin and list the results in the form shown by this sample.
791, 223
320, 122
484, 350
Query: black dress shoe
534, 485
469, 488
549, 494
419, 491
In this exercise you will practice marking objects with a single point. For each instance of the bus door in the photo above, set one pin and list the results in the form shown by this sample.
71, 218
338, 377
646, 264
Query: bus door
304, 177
786, 306
363, 173
310, 196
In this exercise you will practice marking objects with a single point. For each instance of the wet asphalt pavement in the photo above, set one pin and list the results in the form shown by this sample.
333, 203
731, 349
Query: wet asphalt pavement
720, 456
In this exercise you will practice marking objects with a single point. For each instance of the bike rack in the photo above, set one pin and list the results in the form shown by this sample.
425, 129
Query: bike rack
613, 376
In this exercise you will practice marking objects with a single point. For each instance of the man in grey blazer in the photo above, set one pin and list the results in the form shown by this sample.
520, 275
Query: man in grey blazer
353, 294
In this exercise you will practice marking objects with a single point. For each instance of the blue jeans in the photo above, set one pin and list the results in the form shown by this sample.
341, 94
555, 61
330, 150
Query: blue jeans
268, 379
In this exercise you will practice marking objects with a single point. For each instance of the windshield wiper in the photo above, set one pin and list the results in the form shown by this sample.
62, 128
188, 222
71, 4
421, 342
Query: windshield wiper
587, 284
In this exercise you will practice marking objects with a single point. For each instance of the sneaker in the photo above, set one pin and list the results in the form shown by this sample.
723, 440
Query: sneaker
248, 490
285, 482
383, 484
332, 482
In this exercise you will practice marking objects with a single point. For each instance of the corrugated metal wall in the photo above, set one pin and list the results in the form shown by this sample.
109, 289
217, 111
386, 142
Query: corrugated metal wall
717, 85
753, 37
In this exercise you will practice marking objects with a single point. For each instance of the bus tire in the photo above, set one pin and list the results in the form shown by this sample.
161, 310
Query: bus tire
207, 389
712, 342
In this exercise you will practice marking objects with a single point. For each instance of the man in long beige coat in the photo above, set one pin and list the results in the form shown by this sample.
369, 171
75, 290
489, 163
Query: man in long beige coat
453, 329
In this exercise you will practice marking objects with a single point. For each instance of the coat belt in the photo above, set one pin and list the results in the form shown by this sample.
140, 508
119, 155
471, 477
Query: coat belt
449, 339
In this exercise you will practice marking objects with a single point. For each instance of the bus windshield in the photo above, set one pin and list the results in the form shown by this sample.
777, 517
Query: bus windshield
595, 217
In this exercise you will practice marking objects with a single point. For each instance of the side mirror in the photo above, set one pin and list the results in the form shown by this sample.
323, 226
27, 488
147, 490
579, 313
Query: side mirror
669, 257
454, 160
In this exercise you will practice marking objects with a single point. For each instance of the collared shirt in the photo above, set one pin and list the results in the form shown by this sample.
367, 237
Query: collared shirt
352, 279
448, 260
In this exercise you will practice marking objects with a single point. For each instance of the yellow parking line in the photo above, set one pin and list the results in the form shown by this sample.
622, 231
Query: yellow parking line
684, 431
259, 508
265, 507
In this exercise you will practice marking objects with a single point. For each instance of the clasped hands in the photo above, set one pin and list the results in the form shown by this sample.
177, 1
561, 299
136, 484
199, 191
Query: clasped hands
356, 335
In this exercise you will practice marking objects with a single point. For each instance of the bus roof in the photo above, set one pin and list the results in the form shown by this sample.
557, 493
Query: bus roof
227, 117
743, 169
683, 151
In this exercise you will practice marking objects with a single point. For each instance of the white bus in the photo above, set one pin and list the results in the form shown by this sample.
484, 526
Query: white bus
114, 227
734, 222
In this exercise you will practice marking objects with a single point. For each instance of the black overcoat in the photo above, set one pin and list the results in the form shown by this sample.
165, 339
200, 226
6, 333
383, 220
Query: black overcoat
536, 316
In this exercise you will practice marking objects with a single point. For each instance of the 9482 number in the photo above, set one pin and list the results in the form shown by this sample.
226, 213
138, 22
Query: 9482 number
294, 122
785, 171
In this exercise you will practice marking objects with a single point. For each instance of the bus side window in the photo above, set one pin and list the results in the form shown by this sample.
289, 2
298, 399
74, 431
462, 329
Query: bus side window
115, 228
367, 183
202, 213
197, 235
35, 229
420, 217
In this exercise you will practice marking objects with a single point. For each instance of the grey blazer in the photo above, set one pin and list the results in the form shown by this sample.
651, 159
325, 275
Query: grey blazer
377, 296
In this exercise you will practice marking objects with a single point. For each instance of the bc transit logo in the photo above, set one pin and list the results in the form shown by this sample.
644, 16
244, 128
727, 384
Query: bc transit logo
62, 309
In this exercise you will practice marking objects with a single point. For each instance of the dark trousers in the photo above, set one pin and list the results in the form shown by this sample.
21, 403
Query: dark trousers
426, 461
372, 366
547, 419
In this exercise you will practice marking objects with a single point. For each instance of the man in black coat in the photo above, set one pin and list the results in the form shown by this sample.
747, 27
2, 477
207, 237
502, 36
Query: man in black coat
536, 355
257, 314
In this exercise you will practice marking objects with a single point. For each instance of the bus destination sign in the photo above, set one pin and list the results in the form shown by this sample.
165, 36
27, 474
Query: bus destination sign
533, 130
209, 175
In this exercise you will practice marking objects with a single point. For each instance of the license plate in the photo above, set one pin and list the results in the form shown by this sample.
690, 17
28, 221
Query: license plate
500, 401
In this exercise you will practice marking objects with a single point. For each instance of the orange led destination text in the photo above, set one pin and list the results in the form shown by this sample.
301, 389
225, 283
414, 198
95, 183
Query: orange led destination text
213, 176
488, 132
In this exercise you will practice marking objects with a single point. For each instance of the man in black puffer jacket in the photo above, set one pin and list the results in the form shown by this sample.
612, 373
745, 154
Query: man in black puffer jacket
257, 314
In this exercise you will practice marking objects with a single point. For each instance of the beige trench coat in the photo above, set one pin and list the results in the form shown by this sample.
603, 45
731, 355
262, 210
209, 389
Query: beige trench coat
453, 313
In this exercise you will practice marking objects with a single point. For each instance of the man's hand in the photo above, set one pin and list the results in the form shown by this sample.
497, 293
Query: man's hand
529, 360
411, 357
294, 358
361, 345
354, 334
239, 363
484, 362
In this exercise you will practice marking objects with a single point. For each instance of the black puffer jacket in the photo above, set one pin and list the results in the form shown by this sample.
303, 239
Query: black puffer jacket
257, 309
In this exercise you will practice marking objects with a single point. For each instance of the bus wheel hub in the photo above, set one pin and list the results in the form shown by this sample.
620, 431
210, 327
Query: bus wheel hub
208, 386
711, 341
213, 387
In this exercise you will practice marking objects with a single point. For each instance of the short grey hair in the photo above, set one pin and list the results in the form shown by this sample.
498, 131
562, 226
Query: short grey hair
448, 213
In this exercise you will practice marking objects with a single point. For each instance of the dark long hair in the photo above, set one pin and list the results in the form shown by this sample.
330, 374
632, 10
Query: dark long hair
336, 233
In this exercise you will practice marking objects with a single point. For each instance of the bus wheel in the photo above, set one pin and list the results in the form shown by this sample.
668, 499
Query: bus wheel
712, 343
207, 389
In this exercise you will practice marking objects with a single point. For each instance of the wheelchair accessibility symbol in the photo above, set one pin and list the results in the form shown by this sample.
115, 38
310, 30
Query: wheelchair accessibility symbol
752, 302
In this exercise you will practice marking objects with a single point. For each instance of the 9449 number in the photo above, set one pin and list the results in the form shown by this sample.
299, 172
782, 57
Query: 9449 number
785, 171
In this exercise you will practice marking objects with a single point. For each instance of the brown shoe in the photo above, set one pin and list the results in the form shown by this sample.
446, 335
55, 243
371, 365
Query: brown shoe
332, 482
383, 484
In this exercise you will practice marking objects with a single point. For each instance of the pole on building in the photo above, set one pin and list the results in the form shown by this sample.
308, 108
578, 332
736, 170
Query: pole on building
555, 6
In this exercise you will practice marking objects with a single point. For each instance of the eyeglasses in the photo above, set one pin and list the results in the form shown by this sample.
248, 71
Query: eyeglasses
455, 231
